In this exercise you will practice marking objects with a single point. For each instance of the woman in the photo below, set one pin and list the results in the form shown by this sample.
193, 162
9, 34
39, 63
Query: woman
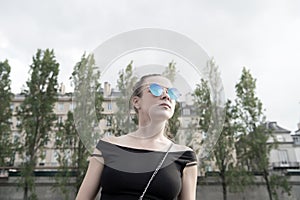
143, 164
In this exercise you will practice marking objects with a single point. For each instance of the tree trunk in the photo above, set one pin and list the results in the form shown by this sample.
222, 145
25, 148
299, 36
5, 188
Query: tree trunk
25, 197
268, 184
224, 188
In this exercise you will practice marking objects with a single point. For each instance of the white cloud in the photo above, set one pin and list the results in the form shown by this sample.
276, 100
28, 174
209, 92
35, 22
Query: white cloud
260, 35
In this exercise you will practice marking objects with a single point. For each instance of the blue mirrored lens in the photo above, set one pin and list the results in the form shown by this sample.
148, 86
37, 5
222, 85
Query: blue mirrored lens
173, 93
156, 89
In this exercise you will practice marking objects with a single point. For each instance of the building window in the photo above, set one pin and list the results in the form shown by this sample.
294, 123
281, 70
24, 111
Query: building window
280, 138
55, 158
12, 107
296, 140
208, 168
60, 107
68, 156
16, 137
186, 111
72, 106
108, 121
283, 157
59, 119
109, 106
43, 158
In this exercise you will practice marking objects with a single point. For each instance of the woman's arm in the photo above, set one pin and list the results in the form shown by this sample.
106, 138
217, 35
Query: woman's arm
189, 183
91, 182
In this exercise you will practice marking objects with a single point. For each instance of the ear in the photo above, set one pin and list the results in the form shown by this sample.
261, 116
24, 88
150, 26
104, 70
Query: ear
136, 102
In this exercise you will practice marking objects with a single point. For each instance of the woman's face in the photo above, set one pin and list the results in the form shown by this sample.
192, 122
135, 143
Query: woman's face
156, 108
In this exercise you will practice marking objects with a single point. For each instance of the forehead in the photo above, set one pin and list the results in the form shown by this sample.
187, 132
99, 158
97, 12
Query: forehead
159, 80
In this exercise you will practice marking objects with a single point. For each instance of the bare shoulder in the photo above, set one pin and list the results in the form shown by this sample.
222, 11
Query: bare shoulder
120, 140
179, 147
109, 138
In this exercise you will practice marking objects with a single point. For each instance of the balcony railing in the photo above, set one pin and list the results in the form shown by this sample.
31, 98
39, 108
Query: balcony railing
289, 165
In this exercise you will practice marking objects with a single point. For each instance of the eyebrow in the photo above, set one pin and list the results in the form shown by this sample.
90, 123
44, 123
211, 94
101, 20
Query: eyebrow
159, 84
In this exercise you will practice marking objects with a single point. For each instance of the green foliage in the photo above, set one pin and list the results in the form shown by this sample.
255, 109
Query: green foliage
36, 114
173, 123
223, 152
249, 106
250, 117
238, 178
243, 133
170, 71
66, 144
253, 150
7, 147
123, 118
87, 113
87, 100
203, 105
279, 182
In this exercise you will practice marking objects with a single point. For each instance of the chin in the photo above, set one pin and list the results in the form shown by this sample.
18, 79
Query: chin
162, 116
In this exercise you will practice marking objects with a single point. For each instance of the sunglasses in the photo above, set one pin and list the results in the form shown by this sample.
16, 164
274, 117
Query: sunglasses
157, 90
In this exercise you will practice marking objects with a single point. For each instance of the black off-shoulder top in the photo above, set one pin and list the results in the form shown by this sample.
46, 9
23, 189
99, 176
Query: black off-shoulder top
127, 171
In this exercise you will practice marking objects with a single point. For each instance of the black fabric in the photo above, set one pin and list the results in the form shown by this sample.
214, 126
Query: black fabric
127, 171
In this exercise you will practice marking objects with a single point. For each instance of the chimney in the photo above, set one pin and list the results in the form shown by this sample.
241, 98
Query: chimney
299, 126
107, 89
62, 88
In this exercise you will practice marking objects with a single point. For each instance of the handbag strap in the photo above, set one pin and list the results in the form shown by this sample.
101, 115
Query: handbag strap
155, 172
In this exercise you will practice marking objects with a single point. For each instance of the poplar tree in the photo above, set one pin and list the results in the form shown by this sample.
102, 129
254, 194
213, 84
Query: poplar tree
207, 101
36, 115
67, 143
84, 121
224, 151
173, 123
123, 120
7, 147
253, 149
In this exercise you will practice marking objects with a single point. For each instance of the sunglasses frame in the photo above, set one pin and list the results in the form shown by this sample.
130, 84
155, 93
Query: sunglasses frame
157, 90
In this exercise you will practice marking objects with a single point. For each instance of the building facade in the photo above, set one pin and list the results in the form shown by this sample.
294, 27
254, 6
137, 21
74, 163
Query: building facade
286, 156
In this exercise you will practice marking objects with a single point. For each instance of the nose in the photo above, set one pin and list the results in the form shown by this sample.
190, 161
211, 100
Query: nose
165, 95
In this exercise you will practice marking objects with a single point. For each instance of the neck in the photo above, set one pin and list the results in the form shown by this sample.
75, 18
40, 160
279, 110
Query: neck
152, 130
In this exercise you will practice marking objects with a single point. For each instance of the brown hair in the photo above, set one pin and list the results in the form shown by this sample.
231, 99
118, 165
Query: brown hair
138, 88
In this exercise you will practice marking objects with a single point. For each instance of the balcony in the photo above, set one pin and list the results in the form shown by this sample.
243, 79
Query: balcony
285, 165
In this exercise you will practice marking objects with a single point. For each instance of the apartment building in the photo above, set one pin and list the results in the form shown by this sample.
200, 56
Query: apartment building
286, 156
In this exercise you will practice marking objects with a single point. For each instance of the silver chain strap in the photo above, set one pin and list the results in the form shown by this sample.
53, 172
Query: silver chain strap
155, 172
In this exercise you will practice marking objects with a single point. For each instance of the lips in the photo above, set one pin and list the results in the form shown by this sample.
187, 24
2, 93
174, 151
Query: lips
165, 105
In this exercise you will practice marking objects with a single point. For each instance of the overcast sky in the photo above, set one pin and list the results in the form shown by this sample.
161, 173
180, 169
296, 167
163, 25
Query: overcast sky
261, 35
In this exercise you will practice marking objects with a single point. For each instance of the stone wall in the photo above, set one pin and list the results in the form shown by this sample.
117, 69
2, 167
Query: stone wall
45, 189
211, 189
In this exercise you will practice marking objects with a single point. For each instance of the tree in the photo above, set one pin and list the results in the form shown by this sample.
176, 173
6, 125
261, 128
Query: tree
209, 103
203, 105
36, 115
173, 123
170, 72
223, 153
66, 143
123, 118
7, 147
224, 150
252, 148
87, 114
208, 100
